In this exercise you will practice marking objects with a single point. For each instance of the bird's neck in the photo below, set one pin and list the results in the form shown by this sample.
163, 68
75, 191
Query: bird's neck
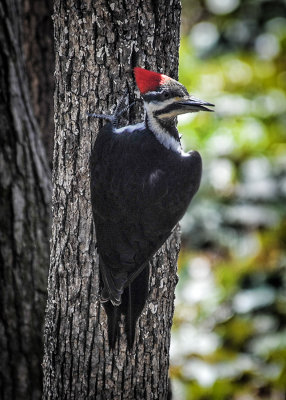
165, 130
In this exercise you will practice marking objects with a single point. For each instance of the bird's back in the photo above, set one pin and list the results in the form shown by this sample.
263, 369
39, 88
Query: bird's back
139, 191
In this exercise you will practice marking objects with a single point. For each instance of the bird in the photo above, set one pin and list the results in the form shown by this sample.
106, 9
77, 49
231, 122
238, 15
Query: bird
141, 183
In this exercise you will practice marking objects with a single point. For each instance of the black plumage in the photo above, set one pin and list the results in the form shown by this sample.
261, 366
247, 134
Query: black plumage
140, 190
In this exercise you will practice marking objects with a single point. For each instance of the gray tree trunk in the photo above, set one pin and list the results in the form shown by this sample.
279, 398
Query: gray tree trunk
24, 205
38, 46
97, 46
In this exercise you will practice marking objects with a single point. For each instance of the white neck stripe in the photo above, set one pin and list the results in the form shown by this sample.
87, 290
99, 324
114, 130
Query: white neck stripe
161, 134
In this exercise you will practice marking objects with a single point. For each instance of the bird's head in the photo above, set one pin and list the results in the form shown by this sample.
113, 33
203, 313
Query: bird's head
164, 97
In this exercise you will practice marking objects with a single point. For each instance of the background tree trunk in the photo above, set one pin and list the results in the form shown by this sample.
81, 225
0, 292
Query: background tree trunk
38, 47
24, 204
97, 46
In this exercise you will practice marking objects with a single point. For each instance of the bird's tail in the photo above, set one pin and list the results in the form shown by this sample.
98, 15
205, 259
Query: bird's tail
133, 301
113, 317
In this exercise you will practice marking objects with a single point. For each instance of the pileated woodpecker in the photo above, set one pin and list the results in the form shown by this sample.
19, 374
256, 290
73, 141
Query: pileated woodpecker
141, 185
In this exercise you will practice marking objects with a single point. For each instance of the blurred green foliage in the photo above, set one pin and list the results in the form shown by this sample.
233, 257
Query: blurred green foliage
229, 334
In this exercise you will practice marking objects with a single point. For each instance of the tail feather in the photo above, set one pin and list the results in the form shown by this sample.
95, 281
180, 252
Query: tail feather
132, 304
134, 300
113, 317
113, 284
130, 319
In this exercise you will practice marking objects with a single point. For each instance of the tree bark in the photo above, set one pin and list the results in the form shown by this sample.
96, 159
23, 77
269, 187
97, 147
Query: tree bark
97, 46
38, 47
24, 204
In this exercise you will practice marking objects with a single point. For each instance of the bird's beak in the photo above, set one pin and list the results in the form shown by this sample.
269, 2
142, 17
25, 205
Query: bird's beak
192, 104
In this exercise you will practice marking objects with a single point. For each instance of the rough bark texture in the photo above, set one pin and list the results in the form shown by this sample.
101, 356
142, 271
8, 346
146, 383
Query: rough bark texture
24, 218
38, 46
97, 46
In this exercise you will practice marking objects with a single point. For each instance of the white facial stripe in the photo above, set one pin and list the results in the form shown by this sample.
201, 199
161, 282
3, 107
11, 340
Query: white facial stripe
162, 135
156, 106
152, 93
171, 114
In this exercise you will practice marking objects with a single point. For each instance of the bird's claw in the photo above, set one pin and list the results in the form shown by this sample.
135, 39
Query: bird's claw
118, 111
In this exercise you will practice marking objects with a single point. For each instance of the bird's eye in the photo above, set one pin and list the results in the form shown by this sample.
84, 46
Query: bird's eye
166, 95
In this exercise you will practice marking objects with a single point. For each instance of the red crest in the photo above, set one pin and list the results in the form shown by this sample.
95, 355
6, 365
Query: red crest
148, 81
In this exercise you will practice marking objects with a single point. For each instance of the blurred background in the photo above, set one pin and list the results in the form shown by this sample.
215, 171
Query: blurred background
229, 334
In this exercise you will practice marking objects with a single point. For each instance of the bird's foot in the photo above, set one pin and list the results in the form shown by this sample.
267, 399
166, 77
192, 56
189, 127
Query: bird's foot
101, 116
105, 297
119, 111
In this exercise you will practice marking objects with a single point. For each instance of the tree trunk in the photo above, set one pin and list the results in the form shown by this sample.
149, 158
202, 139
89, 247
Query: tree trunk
24, 204
97, 46
38, 46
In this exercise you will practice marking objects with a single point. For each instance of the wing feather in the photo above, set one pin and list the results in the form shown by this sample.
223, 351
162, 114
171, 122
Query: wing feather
139, 192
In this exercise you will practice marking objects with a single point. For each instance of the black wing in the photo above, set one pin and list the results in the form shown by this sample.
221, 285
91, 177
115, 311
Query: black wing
139, 192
